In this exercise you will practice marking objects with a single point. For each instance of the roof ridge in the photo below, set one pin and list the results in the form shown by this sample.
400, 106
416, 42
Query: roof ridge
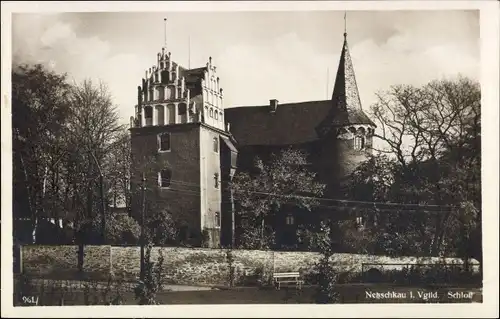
279, 105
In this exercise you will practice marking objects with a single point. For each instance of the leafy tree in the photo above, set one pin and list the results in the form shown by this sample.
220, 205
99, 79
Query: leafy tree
162, 228
40, 110
62, 138
283, 181
121, 229
322, 241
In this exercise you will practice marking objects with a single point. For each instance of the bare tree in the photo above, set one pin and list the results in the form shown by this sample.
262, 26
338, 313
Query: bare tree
433, 132
92, 131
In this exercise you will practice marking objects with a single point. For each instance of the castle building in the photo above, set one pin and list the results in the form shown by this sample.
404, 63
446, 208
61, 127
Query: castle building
187, 145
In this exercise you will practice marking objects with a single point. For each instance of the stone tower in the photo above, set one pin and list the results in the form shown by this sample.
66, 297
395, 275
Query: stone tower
347, 131
182, 149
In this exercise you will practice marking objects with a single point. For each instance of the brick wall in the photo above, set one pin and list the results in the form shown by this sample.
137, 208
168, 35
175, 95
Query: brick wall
190, 266
182, 198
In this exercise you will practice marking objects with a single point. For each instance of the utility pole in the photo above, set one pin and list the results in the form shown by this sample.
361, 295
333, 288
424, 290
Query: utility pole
143, 209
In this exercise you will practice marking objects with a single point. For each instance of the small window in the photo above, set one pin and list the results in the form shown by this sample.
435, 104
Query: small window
216, 115
359, 221
290, 220
164, 177
359, 142
164, 142
211, 112
148, 112
216, 144
216, 180
217, 219
182, 109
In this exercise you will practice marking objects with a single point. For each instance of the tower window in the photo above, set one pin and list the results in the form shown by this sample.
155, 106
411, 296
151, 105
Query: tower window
217, 219
148, 115
216, 180
359, 142
164, 142
290, 220
164, 77
164, 177
182, 109
216, 144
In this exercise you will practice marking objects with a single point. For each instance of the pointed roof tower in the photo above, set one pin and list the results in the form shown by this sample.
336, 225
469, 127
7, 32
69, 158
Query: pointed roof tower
346, 105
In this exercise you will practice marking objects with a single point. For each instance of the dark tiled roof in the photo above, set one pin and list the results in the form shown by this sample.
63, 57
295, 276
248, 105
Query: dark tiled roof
291, 123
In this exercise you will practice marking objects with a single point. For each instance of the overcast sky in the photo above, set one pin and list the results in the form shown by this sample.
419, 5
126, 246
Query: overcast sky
259, 55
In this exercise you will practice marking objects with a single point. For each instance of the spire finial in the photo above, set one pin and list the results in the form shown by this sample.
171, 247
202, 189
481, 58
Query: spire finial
345, 24
165, 31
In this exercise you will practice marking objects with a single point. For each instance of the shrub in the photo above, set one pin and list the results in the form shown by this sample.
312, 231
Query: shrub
151, 281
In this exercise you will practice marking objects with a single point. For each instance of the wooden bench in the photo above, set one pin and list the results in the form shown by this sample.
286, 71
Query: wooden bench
287, 278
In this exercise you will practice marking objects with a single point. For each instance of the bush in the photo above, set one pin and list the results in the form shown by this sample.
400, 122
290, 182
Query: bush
121, 229
162, 229
151, 281
251, 238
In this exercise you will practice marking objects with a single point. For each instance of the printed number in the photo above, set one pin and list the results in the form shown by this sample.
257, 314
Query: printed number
32, 300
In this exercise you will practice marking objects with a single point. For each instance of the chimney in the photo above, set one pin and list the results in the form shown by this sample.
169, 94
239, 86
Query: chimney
273, 105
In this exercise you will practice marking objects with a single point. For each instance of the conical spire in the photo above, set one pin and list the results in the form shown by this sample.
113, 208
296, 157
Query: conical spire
346, 104
345, 91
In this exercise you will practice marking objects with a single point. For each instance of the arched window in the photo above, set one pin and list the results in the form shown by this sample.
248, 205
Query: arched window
160, 115
164, 177
216, 114
217, 219
171, 114
161, 93
359, 143
164, 77
216, 144
170, 93
148, 115
164, 142
290, 220
182, 109
211, 112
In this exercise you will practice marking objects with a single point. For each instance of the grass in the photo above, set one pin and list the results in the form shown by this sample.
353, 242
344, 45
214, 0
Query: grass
349, 293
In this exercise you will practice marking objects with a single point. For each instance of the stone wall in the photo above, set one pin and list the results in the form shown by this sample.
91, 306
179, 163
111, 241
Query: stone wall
193, 266
62, 261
